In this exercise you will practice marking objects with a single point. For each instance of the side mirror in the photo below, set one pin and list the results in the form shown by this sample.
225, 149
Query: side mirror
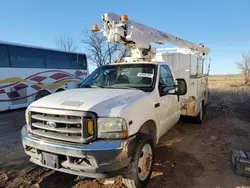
181, 86
161, 89
164, 90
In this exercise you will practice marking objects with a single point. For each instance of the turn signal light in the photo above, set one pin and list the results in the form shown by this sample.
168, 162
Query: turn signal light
124, 134
124, 17
90, 127
118, 61
95, 28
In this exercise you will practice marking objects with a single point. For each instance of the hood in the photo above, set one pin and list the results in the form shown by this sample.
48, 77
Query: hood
105, 102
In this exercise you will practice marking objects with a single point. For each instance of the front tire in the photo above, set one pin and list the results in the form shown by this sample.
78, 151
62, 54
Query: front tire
59, 90
138, 173
41, 94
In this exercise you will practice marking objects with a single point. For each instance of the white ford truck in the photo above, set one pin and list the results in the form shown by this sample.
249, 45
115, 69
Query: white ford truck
111, 122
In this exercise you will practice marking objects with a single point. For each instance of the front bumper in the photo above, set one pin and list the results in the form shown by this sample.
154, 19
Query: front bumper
97, 158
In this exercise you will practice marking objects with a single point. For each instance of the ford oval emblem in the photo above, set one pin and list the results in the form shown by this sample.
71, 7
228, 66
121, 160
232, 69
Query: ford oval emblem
51, 124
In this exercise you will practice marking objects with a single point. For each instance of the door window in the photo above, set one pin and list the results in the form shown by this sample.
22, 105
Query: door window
166, 81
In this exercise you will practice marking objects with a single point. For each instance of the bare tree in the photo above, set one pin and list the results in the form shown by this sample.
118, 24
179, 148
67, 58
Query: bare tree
123, 52
100, 51
67, 43
244, 66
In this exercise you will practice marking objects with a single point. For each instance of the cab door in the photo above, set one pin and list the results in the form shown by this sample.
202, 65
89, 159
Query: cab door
169, 109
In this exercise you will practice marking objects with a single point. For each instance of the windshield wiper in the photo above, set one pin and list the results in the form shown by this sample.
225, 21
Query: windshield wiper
90, 86
120, 87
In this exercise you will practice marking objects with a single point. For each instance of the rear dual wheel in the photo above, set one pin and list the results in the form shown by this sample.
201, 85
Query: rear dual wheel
199, 118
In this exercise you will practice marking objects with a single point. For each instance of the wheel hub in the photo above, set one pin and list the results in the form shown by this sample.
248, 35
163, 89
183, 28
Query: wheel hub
145, 162
148, 162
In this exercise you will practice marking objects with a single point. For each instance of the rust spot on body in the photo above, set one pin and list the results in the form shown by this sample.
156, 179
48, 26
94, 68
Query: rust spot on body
189, 108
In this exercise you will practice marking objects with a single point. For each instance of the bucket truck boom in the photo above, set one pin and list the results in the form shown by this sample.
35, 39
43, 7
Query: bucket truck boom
138, 37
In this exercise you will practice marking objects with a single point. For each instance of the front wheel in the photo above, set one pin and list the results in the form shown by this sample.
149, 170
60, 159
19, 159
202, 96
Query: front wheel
139, 171
41, 94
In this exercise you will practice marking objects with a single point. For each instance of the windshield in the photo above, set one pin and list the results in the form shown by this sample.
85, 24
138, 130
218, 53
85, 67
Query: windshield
123, 76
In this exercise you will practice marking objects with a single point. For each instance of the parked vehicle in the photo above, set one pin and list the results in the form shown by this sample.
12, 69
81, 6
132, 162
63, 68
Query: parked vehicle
118, 113
28, 73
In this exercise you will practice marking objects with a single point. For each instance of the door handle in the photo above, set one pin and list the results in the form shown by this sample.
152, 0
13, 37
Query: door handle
157, 105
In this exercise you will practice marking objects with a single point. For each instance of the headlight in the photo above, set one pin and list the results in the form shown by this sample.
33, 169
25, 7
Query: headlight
27, 117
112, 128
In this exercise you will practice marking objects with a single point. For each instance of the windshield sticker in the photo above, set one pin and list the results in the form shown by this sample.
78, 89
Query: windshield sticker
147, 75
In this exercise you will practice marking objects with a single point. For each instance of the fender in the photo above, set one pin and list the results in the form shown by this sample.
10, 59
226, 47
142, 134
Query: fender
140, 112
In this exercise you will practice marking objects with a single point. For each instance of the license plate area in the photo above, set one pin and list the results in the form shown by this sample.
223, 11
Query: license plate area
50, 160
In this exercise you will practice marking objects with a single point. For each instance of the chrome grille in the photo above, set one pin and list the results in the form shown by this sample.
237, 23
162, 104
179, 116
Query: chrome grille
62, 124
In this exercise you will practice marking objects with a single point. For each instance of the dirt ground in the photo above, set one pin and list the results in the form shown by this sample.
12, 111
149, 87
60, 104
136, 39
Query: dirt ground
189, 156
